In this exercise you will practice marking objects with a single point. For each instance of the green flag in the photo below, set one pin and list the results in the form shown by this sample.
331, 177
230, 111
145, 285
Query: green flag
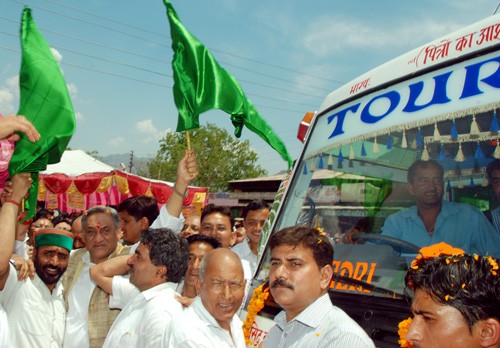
201, 84
44, 100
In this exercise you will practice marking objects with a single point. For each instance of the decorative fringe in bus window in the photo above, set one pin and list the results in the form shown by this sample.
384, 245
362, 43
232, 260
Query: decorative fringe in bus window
494, 123
454, 131
375, 146
330, 161
471, 184
304, 171
460, 183
351, 153
460, 154
341, 157
425, 154
312, 167
448, 185
321, 165
496, 153
474, 127
437, 135
484, 180
479, 153
389, 141
404, 142
363, 150
442, 155
420, 138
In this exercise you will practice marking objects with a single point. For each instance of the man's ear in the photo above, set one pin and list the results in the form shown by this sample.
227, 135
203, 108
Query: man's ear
489, 332
162, 272
233, 238
410, 188
144, 221
326, 276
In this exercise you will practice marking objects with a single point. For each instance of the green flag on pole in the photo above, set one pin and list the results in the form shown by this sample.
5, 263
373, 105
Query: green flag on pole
201, 84
44, 100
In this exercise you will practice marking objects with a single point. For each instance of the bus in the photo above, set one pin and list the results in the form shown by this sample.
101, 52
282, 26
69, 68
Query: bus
438, 101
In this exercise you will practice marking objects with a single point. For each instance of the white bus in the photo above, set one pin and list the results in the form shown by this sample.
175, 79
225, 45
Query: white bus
438, 102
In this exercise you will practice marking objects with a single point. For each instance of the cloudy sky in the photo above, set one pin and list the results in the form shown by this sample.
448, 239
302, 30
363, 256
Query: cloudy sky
287, 55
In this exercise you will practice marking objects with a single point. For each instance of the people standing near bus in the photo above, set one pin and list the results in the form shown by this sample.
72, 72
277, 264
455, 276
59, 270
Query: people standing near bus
299, 279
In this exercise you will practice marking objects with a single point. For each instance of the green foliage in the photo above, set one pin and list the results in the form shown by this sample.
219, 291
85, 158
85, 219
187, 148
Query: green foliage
221, 158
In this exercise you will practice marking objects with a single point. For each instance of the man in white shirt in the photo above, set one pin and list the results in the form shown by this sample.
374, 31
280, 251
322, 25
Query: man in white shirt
35, 307
211, 320
299, 278
158, 264
254, 216
89, 317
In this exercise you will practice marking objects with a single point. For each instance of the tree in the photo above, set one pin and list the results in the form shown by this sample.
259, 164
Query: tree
221, 158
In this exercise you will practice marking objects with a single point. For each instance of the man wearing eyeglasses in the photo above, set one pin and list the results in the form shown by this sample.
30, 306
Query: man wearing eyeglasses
432, 220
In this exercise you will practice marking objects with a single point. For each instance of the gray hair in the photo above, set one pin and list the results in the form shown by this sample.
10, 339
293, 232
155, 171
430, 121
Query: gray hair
101, 209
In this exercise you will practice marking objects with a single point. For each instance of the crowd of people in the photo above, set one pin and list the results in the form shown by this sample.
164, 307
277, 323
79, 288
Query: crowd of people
140, 276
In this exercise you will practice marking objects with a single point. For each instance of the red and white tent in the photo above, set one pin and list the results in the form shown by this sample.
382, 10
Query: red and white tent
79, 182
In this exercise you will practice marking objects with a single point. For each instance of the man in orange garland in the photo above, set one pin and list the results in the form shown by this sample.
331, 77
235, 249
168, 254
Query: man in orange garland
299, 277
456, 301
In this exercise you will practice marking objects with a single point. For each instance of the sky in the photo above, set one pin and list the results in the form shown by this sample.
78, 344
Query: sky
287, 55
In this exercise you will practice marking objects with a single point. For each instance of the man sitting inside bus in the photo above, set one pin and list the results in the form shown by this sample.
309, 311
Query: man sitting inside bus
455, 301
432, 220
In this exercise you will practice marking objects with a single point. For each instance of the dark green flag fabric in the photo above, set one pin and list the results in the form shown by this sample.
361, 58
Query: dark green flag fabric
44, 100
201, 84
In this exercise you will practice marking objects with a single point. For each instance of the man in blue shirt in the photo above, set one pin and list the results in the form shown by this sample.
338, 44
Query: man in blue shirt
433, 220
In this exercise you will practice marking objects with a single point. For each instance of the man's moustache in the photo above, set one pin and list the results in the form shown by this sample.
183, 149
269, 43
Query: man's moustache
281, 282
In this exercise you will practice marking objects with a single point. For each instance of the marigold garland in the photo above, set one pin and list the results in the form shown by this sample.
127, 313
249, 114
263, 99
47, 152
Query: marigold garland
256, 304
403, 327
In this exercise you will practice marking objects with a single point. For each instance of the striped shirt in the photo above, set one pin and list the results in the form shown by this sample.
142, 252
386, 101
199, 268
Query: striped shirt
321, 324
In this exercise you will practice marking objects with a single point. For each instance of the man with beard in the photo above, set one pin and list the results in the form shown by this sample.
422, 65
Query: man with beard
433, 220
35, 307
299, 277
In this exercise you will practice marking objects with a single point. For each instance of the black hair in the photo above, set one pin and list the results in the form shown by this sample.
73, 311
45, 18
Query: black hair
139, 207
254, 205
212, 208
469, 283
167, 248
201, 238
492, 167
308, 237
418, 164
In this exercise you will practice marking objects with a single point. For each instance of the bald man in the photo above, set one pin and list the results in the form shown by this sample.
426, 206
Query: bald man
211, 320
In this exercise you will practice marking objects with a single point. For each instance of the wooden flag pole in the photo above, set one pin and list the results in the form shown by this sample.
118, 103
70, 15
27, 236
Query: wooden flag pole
188, 139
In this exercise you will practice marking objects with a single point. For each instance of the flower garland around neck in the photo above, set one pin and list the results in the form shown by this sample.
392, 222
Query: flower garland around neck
256, 304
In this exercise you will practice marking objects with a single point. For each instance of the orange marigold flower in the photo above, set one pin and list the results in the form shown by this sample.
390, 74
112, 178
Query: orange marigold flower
403, 327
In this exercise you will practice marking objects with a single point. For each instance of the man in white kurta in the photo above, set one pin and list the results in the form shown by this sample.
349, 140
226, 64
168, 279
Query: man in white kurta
35, 307
148, 296
36, 316
142, 317
211, 320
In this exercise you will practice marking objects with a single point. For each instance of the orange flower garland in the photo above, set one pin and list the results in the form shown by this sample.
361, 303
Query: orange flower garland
256, 304
403, 327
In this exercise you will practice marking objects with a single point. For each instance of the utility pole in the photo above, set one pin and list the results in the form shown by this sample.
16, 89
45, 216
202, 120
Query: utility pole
131, 163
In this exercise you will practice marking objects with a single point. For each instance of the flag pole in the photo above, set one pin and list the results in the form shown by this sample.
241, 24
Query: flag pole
188, 139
